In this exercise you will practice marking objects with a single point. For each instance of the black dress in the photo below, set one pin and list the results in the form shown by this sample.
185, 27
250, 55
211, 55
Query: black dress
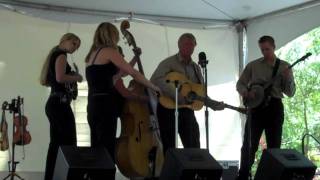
60, 115
103, 105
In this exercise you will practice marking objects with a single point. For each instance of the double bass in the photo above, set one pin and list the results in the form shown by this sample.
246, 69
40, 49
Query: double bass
139, 149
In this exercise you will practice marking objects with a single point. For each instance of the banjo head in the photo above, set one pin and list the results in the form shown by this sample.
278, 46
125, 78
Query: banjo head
258, 96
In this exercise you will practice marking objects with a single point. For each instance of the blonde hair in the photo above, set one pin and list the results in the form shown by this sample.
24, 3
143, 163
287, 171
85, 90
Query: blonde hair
106, 35
45, 67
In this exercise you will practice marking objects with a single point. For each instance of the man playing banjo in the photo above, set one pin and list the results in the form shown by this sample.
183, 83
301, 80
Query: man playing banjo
269, 114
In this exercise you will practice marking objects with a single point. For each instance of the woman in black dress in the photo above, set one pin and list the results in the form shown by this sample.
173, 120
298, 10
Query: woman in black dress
56, 74
103, 62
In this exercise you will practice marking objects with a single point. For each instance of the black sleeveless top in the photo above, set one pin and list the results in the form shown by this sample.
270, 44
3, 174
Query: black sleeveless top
100, 77
51, 76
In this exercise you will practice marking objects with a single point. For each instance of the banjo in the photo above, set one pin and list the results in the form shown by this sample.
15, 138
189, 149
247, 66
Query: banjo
262, 92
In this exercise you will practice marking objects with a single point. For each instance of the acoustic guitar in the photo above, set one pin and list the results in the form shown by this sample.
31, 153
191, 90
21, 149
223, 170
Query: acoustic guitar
262, 92
185, 86
193, 93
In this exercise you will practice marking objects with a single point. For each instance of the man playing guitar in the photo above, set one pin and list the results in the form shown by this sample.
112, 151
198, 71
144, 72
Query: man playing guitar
182, 63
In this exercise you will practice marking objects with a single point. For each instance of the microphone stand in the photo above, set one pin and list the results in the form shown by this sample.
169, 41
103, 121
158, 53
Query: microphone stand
249, 137
176, 113
203, 64
247, 130
176, 84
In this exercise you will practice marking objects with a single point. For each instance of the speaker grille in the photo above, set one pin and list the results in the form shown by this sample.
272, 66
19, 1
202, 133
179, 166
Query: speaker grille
83, 162
284, 164
189, 164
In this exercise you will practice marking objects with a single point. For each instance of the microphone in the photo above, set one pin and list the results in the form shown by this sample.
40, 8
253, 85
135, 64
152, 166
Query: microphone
202, 59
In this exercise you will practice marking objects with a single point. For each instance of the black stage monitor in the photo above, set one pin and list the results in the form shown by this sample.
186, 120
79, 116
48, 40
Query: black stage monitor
82, 163
284, 164
190, 164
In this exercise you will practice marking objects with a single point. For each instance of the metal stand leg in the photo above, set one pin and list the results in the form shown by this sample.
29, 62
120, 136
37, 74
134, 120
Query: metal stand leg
249, 136
12, 171
176, 83
12, 175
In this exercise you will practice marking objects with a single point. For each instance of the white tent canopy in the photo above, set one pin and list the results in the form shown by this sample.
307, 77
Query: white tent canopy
202, 13
156, 25
259, 17
284, 26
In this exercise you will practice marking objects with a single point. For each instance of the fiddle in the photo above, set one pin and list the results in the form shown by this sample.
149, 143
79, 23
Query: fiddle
4, 141
72, 88
21, 136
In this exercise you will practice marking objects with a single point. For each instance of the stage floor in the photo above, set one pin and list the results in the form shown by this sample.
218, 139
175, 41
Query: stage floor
39, 175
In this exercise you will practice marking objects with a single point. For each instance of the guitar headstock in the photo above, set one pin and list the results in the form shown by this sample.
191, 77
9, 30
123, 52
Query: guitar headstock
301, 59
305, 57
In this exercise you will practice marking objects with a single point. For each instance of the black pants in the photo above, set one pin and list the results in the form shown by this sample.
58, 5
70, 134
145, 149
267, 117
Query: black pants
102, 119
270, 119
188, 127
62, 130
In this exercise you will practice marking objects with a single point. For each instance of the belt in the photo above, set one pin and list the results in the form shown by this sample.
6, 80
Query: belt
99, 94
58, 94
64, 97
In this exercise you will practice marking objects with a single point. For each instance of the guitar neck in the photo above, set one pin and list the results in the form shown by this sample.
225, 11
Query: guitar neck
289, 67
212, 103
241, 110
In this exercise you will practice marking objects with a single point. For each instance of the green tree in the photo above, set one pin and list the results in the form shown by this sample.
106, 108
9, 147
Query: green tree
302, 112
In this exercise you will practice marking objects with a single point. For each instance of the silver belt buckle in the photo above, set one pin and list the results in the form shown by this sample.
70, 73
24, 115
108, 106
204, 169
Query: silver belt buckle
63, 99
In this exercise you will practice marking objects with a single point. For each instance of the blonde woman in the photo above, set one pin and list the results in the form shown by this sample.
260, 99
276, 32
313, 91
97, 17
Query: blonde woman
103, 62
55, 74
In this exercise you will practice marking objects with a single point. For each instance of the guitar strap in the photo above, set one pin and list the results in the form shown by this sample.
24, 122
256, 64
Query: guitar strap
197, 73
276, 67
275, 70
268, 89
